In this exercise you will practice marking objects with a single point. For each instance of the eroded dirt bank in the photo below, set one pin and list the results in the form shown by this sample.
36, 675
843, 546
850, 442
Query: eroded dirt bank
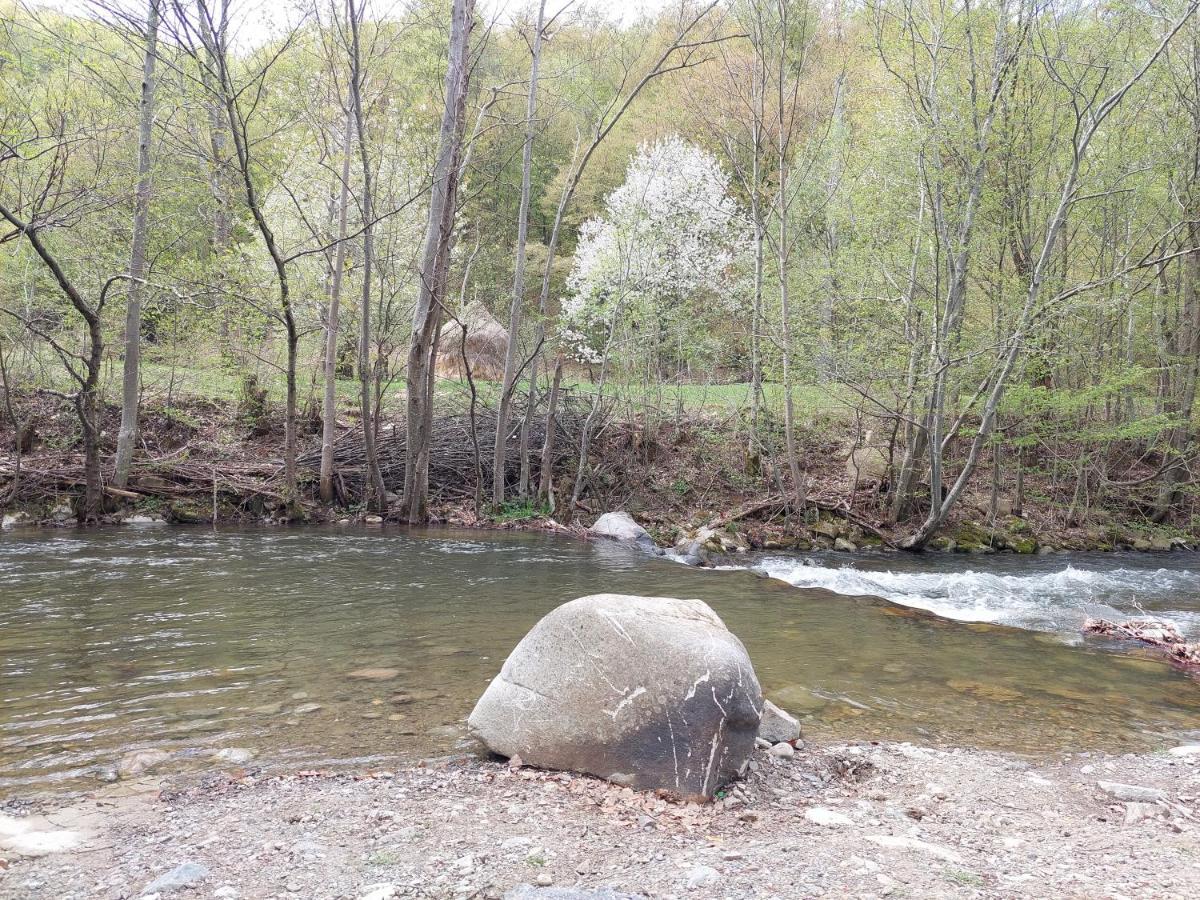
869, 820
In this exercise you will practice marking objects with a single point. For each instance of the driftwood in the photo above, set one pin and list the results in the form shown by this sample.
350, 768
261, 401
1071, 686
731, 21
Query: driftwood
1162, 636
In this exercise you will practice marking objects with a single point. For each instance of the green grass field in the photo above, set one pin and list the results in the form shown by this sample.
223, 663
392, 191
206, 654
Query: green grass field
204, 377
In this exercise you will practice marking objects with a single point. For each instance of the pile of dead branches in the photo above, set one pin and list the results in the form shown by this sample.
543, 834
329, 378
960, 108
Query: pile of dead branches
48, 477
198, 472
452, 462
1162, 636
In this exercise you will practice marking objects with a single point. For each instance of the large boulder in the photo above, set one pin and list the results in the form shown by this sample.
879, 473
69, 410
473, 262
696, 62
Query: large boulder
619, 526
648, 692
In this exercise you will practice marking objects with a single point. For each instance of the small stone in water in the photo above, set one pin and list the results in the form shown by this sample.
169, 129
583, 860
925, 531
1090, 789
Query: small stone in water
374, 673
236, 755
138, 761
307, 708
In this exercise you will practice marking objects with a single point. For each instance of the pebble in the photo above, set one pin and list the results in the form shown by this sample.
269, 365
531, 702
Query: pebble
782, 751
185, 875
225, 892
382, 891
1185, 750
702, 876
896, 842
1139, 812
307, 708
827, 817
545, 879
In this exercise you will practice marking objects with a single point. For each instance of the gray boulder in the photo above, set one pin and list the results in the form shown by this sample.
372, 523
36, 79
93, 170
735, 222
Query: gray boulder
649, 692
619, 526
777, 725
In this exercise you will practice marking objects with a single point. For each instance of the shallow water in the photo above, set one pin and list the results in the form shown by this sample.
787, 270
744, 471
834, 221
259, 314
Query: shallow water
191, 640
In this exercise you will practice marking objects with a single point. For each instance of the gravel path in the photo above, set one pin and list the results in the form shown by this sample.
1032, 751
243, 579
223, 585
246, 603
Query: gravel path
870, 820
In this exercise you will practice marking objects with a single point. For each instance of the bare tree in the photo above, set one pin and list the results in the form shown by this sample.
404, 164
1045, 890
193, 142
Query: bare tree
504, 412
131, 376
377, 491
435, 259
239, 102
1091, 109
329, 401
684, 51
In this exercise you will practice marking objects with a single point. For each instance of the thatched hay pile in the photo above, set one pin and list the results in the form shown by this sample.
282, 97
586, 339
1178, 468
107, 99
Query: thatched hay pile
486, 341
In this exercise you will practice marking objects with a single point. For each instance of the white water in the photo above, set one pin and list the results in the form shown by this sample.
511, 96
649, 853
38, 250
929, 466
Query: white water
1056, 601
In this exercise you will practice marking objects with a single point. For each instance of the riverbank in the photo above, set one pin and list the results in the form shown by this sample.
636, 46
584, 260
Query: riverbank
837, 820
202, 460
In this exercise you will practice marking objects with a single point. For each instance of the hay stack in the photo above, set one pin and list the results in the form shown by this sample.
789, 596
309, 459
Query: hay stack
486, 343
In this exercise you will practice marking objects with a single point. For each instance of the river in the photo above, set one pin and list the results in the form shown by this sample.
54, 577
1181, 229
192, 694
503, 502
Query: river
191, 640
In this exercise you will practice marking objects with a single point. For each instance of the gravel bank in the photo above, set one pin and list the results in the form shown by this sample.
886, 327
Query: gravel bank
870, 820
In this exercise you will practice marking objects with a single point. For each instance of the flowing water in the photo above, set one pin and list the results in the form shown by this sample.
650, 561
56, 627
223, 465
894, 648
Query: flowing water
192, 640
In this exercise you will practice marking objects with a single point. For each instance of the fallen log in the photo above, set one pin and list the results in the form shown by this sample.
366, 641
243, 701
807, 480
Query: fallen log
1163, 636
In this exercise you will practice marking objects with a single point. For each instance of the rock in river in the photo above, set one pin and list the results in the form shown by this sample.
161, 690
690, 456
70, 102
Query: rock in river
619, 526
649, 692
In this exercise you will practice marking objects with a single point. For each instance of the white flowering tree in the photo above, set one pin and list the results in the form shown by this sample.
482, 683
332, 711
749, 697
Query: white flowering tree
661, 266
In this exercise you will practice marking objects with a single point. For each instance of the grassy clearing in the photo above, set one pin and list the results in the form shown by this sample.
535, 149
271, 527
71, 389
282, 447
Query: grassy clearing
205, 377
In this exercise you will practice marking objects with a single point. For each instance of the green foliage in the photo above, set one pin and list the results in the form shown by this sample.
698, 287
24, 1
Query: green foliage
518, 511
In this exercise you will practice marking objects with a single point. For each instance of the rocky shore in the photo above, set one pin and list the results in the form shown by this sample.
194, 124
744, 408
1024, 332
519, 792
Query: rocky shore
868, 820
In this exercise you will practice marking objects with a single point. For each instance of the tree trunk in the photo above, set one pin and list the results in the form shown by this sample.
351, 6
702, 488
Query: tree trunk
130, 392
377, 491
242, 146
329, 404
432, 269
546, 471
504, 412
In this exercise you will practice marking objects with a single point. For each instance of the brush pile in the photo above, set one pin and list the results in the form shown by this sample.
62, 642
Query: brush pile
452, 461
1162, 636
215, 457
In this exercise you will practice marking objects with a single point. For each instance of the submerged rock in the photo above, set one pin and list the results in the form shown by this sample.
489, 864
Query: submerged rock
619, 526
136, 762
374, 673
649, 692
236, 755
